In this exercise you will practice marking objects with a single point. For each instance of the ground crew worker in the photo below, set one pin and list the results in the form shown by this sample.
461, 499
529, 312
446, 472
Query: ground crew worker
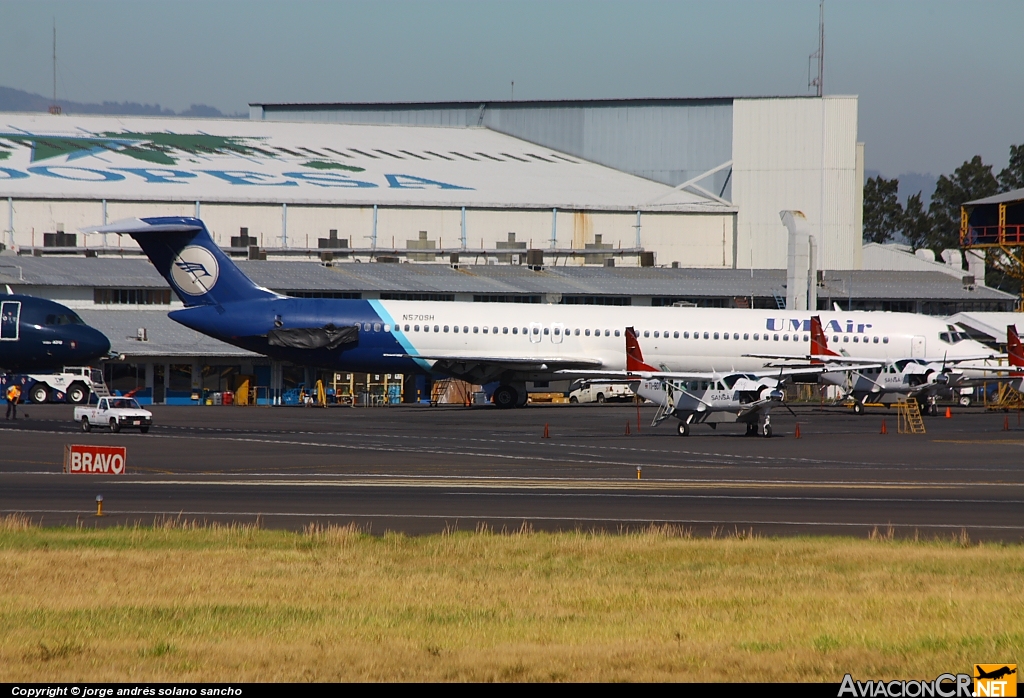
13, 398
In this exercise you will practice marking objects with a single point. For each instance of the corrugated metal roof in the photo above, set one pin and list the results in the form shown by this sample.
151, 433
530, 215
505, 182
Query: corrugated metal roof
1004, 198
372, 278
209, 160
166, 337
98, 272
665, 140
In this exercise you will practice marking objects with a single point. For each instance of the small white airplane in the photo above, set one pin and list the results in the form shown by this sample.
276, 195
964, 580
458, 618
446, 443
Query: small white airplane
922, 379
715, 398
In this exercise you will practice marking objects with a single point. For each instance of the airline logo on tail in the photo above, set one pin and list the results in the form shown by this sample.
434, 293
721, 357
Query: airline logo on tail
195, 270
1014, 349
819, 342
634, 357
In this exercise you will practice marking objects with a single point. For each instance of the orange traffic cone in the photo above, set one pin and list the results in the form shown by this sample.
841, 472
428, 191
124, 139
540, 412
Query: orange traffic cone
949, 413
884, 429
546, 434
627, 427
796, 433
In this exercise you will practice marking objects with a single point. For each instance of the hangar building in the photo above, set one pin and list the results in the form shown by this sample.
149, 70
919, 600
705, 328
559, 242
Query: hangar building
416, 192
762, 155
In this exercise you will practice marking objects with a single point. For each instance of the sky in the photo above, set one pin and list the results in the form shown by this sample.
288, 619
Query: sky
938, 81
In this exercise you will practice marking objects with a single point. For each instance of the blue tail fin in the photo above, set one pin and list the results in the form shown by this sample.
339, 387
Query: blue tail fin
183, 252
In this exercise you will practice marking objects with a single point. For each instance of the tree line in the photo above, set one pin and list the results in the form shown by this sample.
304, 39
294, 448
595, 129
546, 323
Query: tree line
936, 227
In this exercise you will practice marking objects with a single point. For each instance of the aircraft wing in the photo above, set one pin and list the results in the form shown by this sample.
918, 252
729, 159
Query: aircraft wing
522, 363
787, 370
850, 360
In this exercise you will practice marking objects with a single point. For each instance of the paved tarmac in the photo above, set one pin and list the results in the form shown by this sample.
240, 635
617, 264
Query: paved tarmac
419, 469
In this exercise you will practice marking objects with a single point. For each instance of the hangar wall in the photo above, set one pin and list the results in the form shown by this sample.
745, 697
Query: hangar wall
691, 240
381, 187
804, 153
787, 153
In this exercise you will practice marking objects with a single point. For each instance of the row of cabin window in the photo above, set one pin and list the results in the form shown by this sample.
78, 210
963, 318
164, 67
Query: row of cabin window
504, 330
377, 327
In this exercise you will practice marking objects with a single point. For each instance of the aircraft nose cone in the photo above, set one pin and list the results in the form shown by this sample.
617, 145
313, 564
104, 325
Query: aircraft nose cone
93, 343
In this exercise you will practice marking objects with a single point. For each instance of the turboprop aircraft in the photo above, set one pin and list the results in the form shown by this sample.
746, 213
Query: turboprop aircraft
37, 334
921, 379
714, 398
508, 344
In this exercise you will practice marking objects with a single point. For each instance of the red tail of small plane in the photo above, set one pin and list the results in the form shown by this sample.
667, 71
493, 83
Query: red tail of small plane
819, 342
1014, 349
635, 357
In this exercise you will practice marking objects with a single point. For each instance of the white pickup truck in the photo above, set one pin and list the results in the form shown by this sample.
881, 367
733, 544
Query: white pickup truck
599, 391
115, 412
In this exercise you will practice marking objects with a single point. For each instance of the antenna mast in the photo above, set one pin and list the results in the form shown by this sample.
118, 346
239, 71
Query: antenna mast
54, 107
819, 81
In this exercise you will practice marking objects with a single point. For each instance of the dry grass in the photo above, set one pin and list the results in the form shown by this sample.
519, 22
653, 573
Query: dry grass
180, 601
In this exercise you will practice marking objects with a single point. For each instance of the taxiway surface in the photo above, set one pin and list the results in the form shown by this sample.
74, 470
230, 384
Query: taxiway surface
420, 469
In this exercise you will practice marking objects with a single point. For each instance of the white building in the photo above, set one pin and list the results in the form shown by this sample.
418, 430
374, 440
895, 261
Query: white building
761, 155
385, 189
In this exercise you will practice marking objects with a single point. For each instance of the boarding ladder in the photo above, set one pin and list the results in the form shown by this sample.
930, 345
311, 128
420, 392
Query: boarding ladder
908, 417
1009, 398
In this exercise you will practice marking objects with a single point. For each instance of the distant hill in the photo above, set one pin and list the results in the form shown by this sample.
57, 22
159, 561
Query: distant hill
21, 101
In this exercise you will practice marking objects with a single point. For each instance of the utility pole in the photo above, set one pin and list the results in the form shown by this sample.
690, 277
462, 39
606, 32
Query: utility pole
54, 107
819, 81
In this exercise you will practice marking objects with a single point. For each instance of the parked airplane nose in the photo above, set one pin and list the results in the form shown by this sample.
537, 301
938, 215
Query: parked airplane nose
90, 344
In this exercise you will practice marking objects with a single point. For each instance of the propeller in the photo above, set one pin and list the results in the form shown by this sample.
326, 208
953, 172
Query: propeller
782, 394
942, 378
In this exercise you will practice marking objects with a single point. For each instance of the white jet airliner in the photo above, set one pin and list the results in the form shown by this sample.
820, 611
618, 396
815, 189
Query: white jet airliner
506, 344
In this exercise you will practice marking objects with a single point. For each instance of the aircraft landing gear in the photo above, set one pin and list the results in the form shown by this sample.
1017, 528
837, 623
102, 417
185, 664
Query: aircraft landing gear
683, 429
766, 427
751, 429
858, 407
506, 397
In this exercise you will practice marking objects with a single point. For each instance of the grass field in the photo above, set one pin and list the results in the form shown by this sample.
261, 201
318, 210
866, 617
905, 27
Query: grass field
180, 602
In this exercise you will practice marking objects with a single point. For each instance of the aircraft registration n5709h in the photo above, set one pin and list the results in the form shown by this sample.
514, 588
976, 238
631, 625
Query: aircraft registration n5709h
508, 344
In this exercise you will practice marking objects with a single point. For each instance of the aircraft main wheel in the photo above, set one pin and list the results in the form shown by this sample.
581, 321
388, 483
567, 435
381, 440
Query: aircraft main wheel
505, 397
751, 429
86, 427
683, 429
78, 394
115, 426
40, 394
767, 431
858, 408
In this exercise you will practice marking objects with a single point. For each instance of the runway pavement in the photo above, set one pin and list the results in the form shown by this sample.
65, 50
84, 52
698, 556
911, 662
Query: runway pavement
419, 469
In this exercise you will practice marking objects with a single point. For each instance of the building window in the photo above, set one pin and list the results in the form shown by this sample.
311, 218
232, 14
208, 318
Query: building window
390, 296
324, 294
131, 296
596, 300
